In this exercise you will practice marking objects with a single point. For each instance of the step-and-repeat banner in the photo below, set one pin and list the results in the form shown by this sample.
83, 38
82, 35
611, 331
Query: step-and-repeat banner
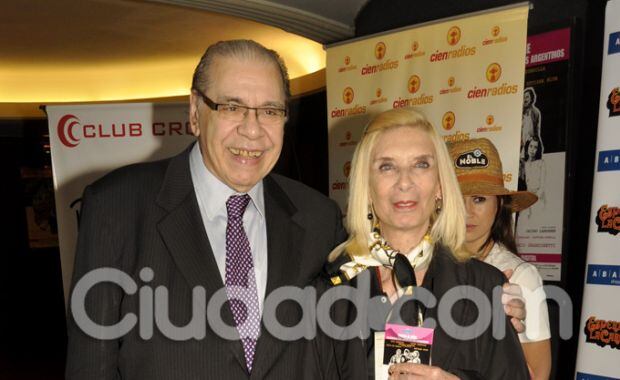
88, 141
466, 75
599, 338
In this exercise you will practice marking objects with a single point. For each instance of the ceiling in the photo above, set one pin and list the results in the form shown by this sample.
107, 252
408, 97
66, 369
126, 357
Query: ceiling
116, 50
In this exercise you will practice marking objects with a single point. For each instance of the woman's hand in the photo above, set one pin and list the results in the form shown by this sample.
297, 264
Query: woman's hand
514, 303
418, 371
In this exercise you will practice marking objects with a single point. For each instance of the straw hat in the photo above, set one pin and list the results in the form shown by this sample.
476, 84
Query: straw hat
479, 171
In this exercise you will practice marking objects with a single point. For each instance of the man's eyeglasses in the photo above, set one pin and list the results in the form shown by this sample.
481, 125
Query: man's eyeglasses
236, 113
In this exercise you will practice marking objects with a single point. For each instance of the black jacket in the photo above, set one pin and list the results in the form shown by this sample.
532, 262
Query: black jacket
483, 357
147, 215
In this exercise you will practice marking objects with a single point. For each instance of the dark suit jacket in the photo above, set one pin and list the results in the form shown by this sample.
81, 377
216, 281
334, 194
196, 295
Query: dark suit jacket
480, 358
147, 215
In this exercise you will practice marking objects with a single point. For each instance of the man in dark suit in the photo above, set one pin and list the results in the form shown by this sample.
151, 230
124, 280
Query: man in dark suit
211, 218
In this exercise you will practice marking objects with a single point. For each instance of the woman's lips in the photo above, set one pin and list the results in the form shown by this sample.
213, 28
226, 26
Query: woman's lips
405, 205
471, 227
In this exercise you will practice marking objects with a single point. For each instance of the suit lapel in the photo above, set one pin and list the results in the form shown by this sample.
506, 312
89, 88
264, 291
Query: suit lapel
183, 233
284, 239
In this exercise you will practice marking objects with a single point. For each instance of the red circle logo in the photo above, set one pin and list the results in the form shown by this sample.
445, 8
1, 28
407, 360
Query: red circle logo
65, 130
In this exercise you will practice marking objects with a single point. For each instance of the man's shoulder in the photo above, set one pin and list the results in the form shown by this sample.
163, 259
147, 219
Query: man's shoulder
302, 196
139, 177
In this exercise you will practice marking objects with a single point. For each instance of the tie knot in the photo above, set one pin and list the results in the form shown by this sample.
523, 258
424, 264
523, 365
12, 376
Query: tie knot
236, 205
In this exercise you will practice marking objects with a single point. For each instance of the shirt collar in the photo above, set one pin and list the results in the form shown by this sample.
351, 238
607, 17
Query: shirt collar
214, 192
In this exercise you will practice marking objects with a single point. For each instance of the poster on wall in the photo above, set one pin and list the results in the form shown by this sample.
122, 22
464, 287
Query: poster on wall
40, 208
599, 328
88, 141
465, 74
542, 152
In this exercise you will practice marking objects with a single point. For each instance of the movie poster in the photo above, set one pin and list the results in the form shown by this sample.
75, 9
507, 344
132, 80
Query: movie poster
40, 207
543, 150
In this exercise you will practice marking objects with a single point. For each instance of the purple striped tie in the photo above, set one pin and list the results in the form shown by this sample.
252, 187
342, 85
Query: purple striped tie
240, 278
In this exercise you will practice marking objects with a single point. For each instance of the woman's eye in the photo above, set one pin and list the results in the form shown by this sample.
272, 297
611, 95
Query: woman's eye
422, 164
385, 167
479, 199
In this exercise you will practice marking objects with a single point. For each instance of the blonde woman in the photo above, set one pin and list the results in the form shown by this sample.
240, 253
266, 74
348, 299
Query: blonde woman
406, 220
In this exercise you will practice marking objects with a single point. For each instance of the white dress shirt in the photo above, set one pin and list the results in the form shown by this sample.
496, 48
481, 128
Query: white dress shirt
212, 195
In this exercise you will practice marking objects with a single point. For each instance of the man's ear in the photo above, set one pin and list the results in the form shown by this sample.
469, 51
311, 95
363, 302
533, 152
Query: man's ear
193, 114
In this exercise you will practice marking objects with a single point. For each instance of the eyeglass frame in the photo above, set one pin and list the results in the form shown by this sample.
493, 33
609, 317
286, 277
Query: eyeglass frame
215, 106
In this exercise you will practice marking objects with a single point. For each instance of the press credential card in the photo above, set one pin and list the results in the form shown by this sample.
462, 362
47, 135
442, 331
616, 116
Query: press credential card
407, 344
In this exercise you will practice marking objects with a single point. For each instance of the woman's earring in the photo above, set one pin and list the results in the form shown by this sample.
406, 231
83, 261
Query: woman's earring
438, 205
370, 215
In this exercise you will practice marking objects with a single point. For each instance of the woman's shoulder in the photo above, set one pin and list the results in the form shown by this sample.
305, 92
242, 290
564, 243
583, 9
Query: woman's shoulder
501, 258
524, 273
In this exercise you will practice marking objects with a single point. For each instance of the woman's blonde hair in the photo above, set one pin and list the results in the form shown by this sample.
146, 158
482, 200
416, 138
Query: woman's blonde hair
448, 226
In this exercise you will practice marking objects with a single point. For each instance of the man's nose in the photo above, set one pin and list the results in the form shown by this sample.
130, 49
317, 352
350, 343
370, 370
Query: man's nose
250, 127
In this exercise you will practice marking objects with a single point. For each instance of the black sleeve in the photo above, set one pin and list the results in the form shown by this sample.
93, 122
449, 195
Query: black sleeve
89, 357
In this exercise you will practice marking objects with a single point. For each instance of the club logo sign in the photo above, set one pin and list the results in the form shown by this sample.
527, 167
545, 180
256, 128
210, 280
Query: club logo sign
495, 31
347, 60
72, 131
472, 160
490, 120
454, 35
448, 120
65, 130
608, 219
494, 72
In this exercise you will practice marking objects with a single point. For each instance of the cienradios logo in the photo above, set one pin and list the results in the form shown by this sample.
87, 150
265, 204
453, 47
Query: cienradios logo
448, 120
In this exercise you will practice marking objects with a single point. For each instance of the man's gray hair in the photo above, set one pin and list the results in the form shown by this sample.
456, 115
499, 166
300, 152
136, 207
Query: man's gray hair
240, 49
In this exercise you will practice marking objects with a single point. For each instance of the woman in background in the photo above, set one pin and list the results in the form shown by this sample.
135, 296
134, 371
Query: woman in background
490, 236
